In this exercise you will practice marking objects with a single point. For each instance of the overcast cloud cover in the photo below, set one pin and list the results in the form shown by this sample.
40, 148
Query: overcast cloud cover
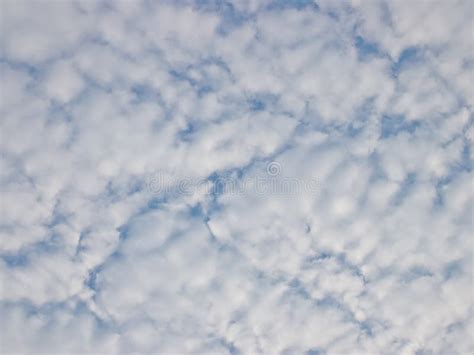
102, 102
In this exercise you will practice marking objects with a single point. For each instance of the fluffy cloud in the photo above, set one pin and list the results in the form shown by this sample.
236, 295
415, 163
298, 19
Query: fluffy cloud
364, 109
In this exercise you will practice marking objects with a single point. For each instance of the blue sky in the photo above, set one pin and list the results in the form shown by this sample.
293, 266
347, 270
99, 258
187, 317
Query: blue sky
120, 120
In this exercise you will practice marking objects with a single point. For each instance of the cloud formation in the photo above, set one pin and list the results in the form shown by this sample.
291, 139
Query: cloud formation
373, 100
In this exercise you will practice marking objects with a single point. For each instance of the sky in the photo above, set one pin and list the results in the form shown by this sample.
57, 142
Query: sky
237, 177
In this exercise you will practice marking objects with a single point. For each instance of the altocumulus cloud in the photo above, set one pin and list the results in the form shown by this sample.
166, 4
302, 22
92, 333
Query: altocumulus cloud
371, 99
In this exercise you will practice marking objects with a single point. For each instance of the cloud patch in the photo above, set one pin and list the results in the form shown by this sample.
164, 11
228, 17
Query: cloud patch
371, 101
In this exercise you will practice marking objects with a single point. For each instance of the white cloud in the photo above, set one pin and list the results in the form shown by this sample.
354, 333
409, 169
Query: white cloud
63, 82
370, 100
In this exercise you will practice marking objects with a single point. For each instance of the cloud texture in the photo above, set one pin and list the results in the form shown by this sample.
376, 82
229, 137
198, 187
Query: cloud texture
371, 99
